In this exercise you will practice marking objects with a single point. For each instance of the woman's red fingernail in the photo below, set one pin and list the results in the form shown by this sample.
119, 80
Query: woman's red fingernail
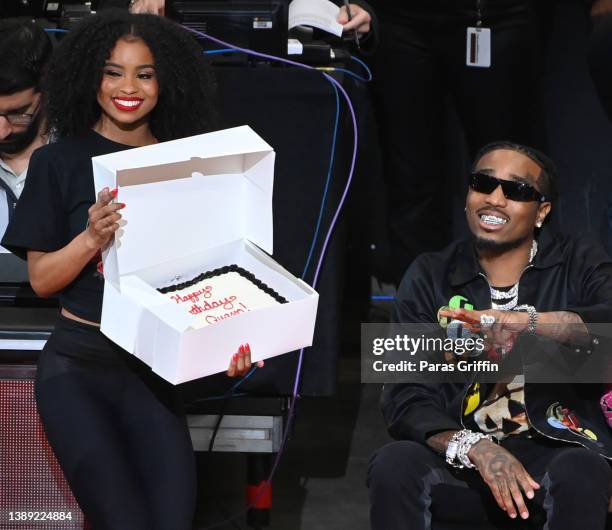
122, 204
247, 347
234, 357
114, 192
241, 349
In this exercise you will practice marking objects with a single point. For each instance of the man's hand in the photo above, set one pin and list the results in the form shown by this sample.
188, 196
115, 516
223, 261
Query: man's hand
153, 7
503, 334
360, 22
505, 476
241, 362
560, 326
103, 220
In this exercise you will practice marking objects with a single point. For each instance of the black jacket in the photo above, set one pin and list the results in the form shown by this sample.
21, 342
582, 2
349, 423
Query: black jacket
566, 275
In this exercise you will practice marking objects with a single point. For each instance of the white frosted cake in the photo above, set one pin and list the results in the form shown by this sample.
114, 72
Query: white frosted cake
222, 293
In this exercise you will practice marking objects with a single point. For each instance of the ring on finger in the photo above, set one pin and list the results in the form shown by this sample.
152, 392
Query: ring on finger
486, 321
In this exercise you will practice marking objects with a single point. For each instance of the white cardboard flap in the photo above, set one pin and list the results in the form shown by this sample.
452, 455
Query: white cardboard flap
188, 195
235, 141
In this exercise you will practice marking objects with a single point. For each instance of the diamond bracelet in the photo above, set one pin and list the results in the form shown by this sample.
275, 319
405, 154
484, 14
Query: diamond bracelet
460, 445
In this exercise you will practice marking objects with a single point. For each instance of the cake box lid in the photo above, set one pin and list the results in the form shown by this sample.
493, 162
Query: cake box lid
187, 195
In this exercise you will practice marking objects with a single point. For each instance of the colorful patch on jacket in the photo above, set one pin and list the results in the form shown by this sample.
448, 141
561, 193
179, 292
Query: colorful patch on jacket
503, 413
606, 407
472, 399
456, 302
560, 417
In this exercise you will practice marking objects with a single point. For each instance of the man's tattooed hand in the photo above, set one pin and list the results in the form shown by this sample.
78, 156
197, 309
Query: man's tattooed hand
505, 476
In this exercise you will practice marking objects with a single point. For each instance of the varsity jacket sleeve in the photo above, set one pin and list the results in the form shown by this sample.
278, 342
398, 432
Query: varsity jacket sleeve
417, 411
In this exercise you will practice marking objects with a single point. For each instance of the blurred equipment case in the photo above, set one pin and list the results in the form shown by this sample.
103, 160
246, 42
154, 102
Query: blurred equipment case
257, 25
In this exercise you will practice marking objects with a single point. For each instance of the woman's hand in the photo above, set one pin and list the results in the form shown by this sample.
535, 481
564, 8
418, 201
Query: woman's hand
360, 22
241, 362
103, 220
153, 7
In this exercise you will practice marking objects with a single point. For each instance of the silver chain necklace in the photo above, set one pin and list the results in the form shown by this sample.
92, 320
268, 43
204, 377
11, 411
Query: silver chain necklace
512, 294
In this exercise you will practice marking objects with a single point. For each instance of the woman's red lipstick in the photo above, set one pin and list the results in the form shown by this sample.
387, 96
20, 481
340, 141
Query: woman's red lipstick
127, 104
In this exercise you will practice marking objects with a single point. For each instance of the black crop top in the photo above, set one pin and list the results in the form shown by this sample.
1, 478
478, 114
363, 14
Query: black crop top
52, 211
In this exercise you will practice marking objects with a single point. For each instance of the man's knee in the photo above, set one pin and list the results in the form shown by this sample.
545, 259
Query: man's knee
580, 467
398, 461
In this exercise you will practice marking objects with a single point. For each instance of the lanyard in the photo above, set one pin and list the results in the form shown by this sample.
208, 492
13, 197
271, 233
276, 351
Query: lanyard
479, 5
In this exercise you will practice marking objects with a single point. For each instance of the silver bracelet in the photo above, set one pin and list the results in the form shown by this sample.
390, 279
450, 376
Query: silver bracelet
532, 314
468, 443
533, 319
451, 449
454, 446
459, 446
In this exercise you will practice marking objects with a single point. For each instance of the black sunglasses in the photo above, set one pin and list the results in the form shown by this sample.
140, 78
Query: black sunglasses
513, 190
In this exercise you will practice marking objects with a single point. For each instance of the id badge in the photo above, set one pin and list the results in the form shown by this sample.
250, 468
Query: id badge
478, 47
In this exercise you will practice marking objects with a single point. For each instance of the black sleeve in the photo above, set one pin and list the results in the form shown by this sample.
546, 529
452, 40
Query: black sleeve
592, 274
40, 221
416, 411
414, 302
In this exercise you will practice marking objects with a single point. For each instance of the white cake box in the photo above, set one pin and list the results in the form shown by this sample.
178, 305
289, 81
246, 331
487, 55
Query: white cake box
194, 205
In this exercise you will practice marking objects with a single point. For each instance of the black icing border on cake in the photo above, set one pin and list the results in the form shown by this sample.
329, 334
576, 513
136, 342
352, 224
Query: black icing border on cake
224, 270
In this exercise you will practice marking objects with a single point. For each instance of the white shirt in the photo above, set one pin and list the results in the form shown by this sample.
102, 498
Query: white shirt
15, 183
12, 180
4, 217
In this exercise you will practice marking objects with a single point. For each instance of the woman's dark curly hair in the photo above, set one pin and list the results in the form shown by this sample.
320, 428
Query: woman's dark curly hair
186, 85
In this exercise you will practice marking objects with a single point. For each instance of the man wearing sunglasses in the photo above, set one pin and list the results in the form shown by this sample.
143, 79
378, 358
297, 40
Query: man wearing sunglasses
24, 51
477, 452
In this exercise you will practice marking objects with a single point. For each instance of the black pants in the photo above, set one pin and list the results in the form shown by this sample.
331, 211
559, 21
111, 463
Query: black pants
420, 61
117, 433
411, 486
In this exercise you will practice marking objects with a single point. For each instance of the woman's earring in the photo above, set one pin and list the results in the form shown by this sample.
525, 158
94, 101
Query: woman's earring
539, 224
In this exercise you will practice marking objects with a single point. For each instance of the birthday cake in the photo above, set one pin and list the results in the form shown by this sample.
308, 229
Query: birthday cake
222, 293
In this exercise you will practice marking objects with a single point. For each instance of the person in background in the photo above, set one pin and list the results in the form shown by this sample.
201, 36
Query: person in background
360, 12
424, 60
25, 50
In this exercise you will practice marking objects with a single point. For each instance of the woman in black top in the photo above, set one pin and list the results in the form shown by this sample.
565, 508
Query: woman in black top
116, 82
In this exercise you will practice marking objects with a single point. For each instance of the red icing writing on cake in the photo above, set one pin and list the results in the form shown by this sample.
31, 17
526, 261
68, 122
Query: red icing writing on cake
205, 292
227, 303
211, 319
207, 303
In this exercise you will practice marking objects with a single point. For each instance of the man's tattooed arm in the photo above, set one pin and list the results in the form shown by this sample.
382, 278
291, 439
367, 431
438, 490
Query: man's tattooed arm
439, 441
563, 326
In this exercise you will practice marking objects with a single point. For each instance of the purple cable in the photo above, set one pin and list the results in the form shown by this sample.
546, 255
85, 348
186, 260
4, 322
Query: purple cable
330, 230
